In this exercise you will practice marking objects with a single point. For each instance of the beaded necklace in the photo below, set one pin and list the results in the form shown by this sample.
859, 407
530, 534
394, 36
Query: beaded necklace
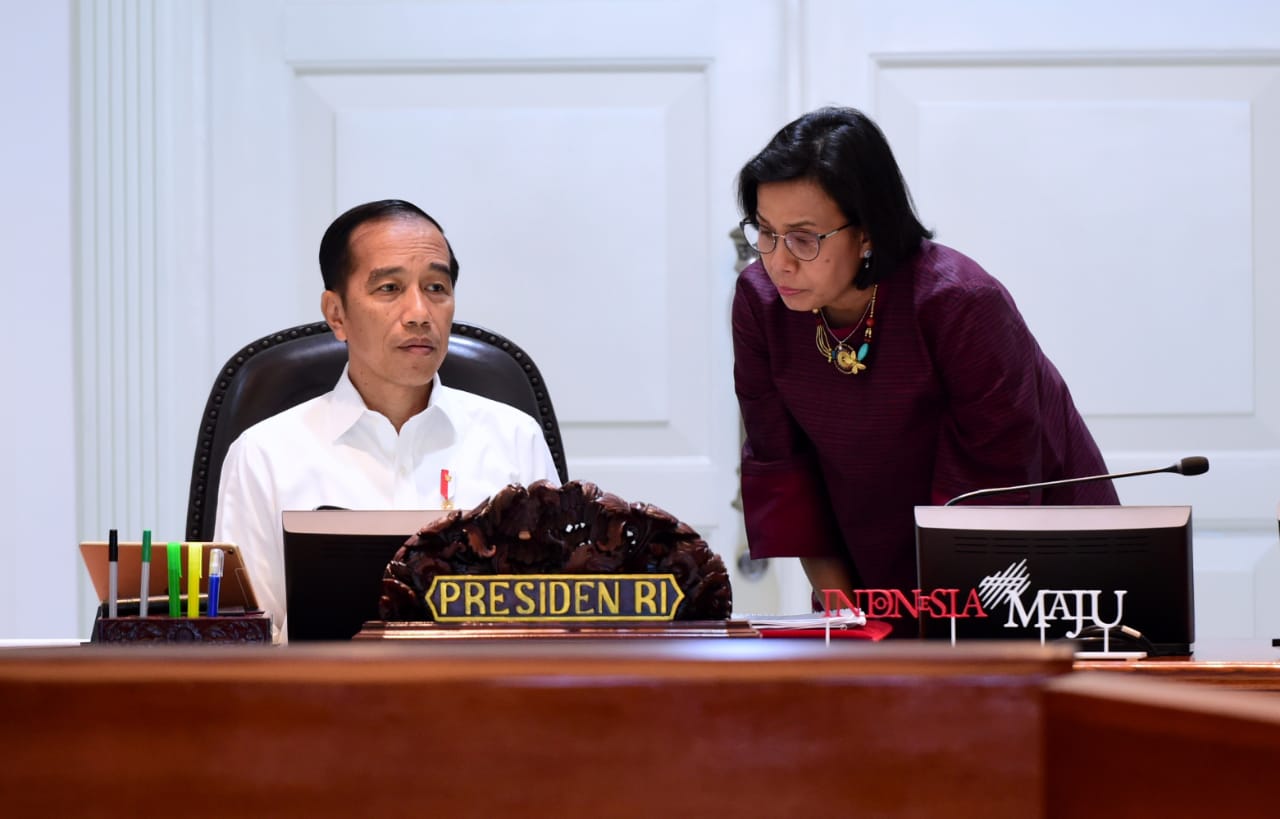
843, 356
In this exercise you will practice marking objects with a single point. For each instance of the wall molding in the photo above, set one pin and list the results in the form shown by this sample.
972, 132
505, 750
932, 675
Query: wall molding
1129, 58
141, 282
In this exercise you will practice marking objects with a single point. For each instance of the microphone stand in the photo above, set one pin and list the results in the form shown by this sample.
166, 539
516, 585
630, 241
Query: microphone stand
1000, 490
1187, 466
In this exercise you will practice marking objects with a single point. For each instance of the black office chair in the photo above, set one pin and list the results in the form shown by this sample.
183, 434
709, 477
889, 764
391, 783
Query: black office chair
284, 369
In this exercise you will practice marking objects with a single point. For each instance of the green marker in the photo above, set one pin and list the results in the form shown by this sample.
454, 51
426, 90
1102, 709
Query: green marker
175, 579
144, 591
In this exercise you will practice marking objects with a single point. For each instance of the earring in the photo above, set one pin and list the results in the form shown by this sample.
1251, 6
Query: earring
866, 260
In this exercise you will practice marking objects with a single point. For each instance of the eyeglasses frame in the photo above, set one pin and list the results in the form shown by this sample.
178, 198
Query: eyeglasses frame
783, 236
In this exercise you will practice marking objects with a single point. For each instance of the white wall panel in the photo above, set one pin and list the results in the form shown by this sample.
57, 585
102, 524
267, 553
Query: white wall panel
1118, 200
497, 151
1091, 202
39, 566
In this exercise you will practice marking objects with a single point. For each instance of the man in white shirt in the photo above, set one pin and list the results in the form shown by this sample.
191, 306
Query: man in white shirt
380, 439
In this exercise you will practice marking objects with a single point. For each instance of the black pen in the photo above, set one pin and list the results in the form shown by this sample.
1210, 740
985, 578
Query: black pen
113, 571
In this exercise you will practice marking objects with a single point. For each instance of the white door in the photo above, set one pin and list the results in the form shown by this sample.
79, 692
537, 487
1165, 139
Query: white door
1117, 166
581, 157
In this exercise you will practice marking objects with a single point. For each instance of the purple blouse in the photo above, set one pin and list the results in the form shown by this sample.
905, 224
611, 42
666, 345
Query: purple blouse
957, 396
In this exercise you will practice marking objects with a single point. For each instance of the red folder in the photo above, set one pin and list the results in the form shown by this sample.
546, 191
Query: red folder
874, 630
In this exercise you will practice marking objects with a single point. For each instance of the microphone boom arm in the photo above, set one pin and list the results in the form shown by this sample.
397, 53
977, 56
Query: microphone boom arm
1000, 490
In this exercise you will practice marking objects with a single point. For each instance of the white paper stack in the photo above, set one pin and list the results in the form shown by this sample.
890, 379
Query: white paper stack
844, 618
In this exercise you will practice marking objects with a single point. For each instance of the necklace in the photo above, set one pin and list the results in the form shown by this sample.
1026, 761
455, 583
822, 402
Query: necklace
842, 355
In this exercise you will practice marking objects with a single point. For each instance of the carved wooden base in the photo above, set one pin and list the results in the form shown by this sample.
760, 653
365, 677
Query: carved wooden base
235, 629
387, 630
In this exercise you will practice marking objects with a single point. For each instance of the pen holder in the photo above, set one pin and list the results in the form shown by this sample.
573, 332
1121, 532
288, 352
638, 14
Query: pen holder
230, 629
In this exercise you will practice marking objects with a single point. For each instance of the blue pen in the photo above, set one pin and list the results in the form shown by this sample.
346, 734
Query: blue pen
215, 580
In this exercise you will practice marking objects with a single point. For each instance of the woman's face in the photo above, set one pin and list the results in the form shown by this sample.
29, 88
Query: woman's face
827, 281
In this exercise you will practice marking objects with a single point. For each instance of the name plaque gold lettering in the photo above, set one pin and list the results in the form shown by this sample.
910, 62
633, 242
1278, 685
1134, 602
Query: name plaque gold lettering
532, 597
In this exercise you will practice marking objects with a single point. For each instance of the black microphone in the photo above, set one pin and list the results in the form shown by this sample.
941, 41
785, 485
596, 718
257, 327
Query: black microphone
1194, 465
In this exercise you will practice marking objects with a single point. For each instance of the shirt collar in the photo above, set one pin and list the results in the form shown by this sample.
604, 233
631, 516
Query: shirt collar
347, 408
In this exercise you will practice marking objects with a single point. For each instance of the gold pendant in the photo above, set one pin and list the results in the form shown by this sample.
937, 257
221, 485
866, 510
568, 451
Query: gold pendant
847, 362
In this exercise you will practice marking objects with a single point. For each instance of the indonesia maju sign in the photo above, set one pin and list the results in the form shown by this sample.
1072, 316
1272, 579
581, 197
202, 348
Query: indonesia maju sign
1008, 588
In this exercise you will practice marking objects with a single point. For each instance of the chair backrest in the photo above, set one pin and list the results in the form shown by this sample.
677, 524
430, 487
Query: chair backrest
286, 368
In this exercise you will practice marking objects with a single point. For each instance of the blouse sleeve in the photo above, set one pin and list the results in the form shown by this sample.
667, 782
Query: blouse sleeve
988, 364
784, 502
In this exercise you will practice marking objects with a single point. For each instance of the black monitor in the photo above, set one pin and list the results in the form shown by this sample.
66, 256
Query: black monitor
1034, 569
334, 560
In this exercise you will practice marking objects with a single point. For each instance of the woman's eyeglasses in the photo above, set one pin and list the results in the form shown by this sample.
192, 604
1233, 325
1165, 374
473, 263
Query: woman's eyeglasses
803, 244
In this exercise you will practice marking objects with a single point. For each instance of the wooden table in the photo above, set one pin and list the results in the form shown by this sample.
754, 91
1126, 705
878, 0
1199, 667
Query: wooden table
1130, 745
689, 727
1252, 665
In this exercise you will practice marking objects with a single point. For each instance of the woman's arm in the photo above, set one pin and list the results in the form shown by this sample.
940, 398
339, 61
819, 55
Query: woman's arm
784, 501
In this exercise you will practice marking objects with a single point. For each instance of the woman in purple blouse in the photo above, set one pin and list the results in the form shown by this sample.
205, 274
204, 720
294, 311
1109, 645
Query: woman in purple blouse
877, 370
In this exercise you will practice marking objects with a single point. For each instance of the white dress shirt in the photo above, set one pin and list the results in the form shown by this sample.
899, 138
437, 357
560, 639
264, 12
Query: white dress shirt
335, 451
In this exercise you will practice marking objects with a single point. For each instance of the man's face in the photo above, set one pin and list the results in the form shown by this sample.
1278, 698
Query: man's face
396, 308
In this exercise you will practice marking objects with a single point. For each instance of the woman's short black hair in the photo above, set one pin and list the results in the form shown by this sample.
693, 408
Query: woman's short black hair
845, 153
335, 246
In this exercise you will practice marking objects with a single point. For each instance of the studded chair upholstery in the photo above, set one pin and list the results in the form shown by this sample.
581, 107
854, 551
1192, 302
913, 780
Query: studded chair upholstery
286, 368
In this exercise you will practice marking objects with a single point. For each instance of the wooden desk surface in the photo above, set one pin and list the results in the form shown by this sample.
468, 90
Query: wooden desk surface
741, 728
1245, 664
682, 658
689, 727
1127, 745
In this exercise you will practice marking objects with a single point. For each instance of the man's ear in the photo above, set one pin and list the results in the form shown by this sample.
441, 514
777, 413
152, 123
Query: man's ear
332, 308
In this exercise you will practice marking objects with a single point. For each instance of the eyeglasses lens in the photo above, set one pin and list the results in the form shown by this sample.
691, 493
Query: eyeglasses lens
761, 241
803, 245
